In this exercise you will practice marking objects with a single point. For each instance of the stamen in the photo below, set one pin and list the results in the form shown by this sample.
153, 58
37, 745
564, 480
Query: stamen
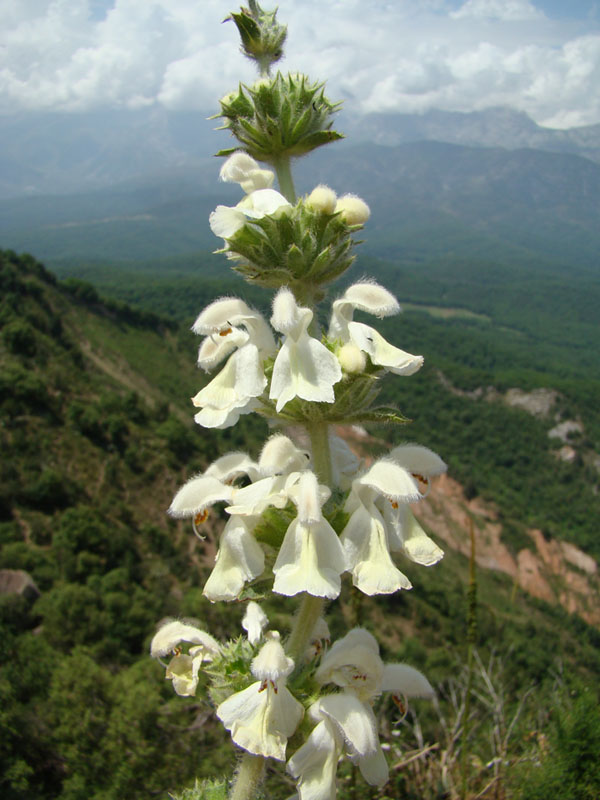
401, 703
394, 503
201, 516
424, 480
226, 332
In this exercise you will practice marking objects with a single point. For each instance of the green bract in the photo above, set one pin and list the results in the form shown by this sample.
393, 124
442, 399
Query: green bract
279, 117
231, 671
301, 248
353, 404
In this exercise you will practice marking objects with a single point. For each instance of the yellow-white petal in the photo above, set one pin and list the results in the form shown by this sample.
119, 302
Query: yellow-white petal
261, 719
365, 543
381, 352
315, 763
311, 559
418, 459
199, 493
406, 680
240, 559
174, 631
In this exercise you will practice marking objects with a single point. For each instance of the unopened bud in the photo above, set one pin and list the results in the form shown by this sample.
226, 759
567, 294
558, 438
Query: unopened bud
354, 210
261, 35
352, 359
323, 199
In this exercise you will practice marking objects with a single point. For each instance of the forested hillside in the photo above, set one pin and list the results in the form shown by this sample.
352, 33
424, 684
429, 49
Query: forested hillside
95, 439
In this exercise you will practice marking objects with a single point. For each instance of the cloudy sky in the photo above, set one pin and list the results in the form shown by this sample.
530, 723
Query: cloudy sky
538, 56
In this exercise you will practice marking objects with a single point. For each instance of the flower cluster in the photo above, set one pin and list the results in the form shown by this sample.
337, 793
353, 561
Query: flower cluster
283, 116
263, 714
304, 366
311, 556
275, 243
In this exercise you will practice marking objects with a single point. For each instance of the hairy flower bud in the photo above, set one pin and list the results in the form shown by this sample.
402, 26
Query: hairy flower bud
351, 358
323, 199
354, 210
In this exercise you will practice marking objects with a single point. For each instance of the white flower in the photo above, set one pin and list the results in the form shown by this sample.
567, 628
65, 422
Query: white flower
304, 367
404, 532
320, 633
263, 716
254, 622
226, 221
311, 558
234, 390
354, 664
346, 723
381, 521
315, 763
345, 726
365, 537
183, 668
239, 559
374, 299
224, 314
243, 169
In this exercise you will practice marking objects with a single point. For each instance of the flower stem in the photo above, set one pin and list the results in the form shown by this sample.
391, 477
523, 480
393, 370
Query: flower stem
284, 176
321, 454
248, 777
309, 612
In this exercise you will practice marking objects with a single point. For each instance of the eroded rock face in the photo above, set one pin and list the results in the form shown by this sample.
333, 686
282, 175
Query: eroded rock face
17, 581
564, 429
551, 570
538, 402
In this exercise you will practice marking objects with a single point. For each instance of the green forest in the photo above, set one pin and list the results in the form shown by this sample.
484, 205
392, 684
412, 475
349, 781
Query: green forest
96, 435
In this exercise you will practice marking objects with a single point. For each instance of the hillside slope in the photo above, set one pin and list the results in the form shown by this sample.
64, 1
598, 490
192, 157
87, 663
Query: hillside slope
95, 438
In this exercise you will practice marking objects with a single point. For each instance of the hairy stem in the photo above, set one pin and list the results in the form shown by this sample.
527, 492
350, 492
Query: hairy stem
321, 454
248, 778
311, 608
284, 176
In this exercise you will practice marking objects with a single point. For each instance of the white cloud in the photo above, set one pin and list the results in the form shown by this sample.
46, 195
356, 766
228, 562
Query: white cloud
505, 10
405, 56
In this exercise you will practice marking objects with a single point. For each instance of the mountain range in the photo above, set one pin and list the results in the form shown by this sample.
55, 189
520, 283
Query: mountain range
144, 191
73, 153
